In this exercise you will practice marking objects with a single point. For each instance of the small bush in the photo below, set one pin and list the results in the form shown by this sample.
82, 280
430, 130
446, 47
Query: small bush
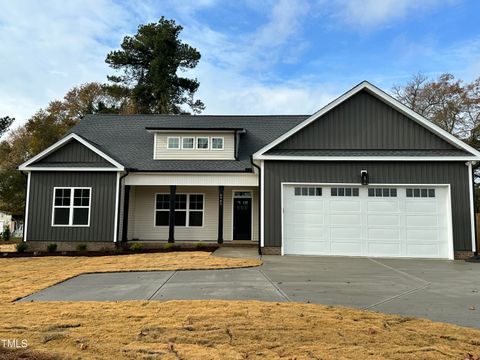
51, 248
136, 247
6, 234
200, 245
22, 247
82, 247
168, 246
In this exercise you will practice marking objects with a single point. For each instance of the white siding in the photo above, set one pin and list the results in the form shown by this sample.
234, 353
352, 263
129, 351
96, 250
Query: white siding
142, 216
161, 152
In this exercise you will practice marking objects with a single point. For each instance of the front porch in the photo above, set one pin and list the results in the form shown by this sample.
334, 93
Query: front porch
159, 214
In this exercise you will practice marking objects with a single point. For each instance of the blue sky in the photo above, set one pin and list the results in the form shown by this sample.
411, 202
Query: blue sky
258, 57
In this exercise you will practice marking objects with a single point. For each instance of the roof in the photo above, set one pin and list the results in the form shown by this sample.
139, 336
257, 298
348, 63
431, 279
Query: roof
126, 138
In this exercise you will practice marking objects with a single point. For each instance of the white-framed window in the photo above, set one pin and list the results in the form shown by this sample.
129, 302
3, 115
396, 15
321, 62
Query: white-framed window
71, 206
189, 210
202, 143
217, 143
173, 143
188, 143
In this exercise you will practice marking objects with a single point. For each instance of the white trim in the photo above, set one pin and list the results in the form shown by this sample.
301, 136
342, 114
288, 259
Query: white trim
223, 143
386, 98
155, 146
52, 148
251, 210
262, 204
203, 131
187, 211
39, 168
188, 137
208, 143
25, 226
117, 193
192, 179
366, 158
472, 208
173, 137
71, 207
449, 217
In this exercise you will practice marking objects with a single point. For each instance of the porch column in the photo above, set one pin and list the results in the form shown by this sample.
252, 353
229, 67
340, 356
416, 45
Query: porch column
221, 190
171, 219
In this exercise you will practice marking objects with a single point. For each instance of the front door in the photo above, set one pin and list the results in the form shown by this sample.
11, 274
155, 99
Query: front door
242, 218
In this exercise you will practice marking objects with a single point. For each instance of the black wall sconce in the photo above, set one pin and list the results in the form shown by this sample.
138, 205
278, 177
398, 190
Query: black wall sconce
364, 177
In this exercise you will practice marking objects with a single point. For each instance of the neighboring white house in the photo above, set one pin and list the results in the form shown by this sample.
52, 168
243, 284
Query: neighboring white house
6, 220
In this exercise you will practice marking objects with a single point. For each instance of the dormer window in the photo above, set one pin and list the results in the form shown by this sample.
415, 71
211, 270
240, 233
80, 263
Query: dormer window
173, 143
188, 143
202, 143
217, 143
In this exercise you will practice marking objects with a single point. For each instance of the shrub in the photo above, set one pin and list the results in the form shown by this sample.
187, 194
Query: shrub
136, 247
82, 247
51, 248
168, 246
6, 234
200, 245
21, 247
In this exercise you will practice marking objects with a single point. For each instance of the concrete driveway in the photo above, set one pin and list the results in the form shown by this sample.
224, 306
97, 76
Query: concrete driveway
446, 291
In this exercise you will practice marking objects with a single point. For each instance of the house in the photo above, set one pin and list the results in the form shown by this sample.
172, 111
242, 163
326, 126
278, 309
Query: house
363, 176
6, 220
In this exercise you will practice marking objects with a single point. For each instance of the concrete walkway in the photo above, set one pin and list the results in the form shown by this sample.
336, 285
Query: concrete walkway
439, 290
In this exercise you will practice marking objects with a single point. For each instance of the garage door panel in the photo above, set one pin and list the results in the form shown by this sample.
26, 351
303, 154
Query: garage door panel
422, 220
365, 225
383, 220
382, 206
383, 234
345, 206
345, 219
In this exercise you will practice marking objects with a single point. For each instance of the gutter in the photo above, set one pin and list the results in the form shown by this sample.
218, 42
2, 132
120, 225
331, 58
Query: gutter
259, 203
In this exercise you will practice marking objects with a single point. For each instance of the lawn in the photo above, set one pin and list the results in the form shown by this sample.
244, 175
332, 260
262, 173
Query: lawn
205, 329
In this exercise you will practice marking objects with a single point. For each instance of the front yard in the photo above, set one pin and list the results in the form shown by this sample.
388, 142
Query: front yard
205, 329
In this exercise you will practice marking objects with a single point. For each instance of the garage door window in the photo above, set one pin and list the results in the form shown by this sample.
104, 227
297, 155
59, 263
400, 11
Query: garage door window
382, 192
308, 191
421, 193
341, 191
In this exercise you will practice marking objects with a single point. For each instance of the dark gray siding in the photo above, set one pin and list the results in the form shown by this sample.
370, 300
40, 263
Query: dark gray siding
367, 123
102, 208
453, 173
73, 154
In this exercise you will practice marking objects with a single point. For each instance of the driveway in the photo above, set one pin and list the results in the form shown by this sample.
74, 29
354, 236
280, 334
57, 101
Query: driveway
446, 291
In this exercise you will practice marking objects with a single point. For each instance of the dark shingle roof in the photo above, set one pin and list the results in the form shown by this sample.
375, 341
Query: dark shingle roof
347, 152
126, 139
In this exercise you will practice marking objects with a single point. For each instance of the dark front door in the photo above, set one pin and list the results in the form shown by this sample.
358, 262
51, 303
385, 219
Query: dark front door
242, 219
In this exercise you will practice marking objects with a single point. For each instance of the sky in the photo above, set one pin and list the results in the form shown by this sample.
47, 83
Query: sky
258, 57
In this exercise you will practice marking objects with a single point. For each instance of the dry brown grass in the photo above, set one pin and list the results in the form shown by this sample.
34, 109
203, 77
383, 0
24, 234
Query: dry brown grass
206, 329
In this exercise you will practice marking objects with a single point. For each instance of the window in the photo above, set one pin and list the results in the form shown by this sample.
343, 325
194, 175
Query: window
344, 191
308, 191
188, 143
188, 210
217, 143
382, 192
421, 193
202, 143
173, 143
71, 206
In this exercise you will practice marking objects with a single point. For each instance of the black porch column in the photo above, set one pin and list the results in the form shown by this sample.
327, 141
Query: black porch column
221, 190
171, 219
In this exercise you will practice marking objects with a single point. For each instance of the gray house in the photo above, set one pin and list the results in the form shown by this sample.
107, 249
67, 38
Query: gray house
363, 176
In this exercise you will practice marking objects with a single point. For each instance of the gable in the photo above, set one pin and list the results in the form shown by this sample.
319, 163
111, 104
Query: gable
73, 153
364, 122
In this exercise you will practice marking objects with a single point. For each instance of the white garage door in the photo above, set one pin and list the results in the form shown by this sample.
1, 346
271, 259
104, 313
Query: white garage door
406, 221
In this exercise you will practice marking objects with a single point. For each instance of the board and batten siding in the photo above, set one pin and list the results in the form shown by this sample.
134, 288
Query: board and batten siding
161, 151
74, 152
367, 123
454, 173
141, 215
40, 207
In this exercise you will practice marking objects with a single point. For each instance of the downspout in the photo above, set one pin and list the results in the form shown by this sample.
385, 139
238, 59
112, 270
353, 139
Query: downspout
259, 204
119, 205
475, 165
25, 207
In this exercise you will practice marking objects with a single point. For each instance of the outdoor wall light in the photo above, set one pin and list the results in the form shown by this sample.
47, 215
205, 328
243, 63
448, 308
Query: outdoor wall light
364, 177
